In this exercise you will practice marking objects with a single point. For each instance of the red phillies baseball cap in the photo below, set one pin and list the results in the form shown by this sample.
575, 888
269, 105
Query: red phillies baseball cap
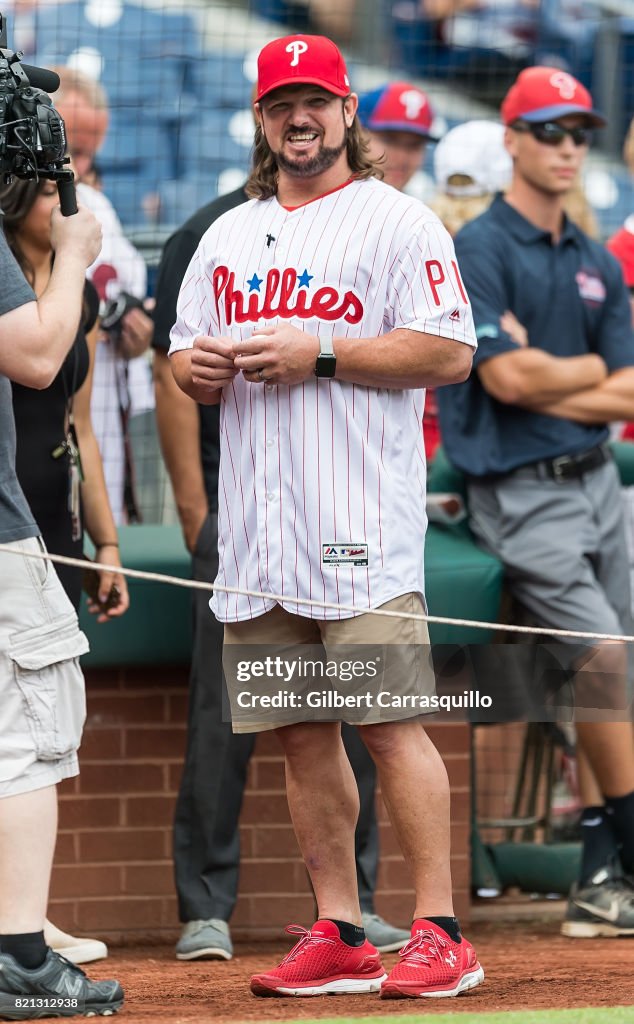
397, 107
544, 94
313, 60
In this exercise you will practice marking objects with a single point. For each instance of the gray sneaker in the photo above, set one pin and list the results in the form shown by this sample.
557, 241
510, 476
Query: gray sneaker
57, 988
383, 936
205, 940
604, 907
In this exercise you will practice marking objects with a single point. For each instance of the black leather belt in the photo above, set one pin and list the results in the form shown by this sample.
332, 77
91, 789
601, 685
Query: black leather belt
572, 467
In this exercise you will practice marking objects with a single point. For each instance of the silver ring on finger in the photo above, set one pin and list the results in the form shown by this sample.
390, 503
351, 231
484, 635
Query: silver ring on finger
261, 376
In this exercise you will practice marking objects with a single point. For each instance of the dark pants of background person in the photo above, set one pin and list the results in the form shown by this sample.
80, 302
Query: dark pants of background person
206, 838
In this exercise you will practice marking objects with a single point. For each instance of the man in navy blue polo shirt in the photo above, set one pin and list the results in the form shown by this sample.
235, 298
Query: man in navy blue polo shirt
529, 430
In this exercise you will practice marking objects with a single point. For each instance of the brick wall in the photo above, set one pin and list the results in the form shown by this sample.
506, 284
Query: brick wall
113, 874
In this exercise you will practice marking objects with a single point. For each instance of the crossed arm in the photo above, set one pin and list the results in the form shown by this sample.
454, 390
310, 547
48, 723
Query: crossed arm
576, 388
612, 399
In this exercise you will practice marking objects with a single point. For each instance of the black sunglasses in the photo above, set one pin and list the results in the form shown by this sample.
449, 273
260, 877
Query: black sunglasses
552, 134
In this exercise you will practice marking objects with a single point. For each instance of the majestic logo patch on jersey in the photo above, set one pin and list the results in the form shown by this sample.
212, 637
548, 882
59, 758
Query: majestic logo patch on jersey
283, 293
344, 554
455, 315
591, 287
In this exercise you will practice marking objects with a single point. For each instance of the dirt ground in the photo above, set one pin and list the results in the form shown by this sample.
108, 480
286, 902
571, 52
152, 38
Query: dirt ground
527, 966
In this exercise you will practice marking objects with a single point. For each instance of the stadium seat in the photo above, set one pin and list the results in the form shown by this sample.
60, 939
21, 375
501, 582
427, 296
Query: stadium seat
219, 81
215, 141
180, 198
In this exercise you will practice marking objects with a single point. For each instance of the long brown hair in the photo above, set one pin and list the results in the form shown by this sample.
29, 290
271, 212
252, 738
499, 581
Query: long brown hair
262, 183
16, 200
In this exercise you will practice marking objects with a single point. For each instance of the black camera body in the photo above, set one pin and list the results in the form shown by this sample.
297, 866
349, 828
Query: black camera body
112, 312
32, 133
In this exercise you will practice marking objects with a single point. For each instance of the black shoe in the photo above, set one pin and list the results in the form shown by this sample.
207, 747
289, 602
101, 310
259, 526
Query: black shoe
57, 988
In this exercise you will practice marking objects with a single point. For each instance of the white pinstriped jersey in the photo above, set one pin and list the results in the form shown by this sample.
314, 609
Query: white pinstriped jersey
322, 484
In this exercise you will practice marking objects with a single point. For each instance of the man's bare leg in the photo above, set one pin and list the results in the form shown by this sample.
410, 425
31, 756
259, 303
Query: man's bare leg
324, 803
415, 788
28, 829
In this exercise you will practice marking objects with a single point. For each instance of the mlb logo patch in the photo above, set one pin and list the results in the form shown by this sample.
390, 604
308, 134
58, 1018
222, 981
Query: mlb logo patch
591, 287
344, 554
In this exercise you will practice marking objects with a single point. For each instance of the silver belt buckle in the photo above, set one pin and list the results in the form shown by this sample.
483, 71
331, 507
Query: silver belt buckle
558, 465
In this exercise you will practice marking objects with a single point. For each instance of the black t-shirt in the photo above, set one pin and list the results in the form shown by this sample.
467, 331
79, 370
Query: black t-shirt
177, 254
40, 420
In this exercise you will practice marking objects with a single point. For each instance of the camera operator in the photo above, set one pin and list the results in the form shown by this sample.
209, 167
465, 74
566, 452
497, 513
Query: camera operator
41, 685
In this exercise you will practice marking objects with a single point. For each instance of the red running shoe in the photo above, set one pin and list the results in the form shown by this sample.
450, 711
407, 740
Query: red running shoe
320, 963
432, 964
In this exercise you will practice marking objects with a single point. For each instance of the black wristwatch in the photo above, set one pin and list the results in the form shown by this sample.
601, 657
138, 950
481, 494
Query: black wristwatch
326, 360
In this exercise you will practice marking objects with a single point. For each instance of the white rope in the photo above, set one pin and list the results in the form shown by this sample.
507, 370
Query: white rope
178, 581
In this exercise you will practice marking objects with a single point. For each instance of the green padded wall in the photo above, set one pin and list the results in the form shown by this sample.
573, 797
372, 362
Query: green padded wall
157, 627
623, 452
462, 581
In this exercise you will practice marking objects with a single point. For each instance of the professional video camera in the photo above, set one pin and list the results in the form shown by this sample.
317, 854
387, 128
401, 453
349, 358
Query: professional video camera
32, 134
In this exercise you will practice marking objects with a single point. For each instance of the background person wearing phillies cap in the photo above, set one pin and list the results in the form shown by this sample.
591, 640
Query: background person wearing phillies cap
529, 428
321, 334
397, 119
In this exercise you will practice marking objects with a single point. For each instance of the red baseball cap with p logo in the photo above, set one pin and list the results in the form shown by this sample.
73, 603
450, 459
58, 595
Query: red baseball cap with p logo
397, 107
544, 94
298, 60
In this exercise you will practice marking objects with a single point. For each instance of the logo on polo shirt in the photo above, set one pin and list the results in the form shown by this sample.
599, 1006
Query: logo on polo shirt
591, 287
487, 331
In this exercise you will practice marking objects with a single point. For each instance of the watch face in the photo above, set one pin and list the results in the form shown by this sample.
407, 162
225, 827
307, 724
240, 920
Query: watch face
325, 365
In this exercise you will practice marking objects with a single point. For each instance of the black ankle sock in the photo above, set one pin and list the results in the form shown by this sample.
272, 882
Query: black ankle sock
599, 842
29, 949
351, 934
449, 925
621, 813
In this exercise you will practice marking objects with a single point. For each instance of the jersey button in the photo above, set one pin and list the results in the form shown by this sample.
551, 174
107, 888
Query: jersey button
270, 496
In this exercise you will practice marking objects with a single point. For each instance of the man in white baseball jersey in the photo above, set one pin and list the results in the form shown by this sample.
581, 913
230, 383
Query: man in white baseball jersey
316, 314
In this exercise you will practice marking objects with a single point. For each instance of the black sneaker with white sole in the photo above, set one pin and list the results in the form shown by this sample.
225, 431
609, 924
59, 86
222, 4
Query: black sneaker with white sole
57, 988
603, 908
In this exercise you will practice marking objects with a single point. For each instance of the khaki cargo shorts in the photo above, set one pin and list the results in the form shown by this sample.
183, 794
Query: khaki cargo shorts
282, 668
42, 696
